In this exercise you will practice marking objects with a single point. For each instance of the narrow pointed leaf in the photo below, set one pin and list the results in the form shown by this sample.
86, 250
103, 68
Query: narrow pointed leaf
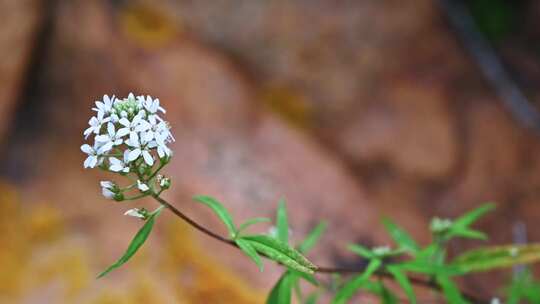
281, 293
135, 244
404, 282
361, 251
281, 253
253, 221
450, 290
468, 234
220, 210
308, 277
400, 236
282, 223
497, 257
312, 238
250, 251
471, 216
351, 287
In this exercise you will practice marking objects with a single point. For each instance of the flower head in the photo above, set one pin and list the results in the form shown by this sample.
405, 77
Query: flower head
130, 128
130, 138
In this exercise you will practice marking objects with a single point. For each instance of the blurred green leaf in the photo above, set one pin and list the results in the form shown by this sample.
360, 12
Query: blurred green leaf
488, 258
450, 290
281, 293
250, 251
385, 295
523, 287
470, 217
361, 251
282, 222
312, 238
351, 287
281, 253
253, 221
403, 281
468, 234
306, 276
221, 212
401, 237
136, 243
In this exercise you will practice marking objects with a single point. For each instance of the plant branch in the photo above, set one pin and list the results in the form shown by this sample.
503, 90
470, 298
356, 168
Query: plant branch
320, 269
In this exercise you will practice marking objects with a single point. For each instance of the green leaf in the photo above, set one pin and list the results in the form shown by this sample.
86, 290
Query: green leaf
312, 238
306, 276
496, 257
253, 221
282, 223
281, 253
361, 251
450, 290
281, 293
136, 243
349, 289
250, 251
221, 212
468, 234
523, 287
403, 281
401, 237
470, 217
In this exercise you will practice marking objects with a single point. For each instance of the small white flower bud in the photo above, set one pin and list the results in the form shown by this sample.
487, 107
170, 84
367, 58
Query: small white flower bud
142, 186
165, 183
136, 212
108, 189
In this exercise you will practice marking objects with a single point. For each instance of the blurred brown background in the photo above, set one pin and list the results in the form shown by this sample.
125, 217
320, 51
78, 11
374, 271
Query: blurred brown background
351, 110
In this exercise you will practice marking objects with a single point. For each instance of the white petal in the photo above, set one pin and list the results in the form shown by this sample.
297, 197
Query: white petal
86, 148
134, 212
125, 122
122, 132
142, 186
148, 158
107, 193
134, 139
102, 138
126, 156
110, 129
92, 162
106, 184
133, 155
105, 148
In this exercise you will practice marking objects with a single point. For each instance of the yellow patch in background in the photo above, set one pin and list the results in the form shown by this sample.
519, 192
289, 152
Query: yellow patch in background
147, 26
44, 260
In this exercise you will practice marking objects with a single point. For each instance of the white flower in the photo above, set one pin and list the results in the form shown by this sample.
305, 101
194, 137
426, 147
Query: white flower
106, 105
113, 138
95, 124
161, 144
139, 147
117, 165
135, 126
93, 156
108, 189
135, 212
142, 186
128, 132
151, 105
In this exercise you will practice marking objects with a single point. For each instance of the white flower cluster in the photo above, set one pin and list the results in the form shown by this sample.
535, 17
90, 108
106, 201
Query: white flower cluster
127, 132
